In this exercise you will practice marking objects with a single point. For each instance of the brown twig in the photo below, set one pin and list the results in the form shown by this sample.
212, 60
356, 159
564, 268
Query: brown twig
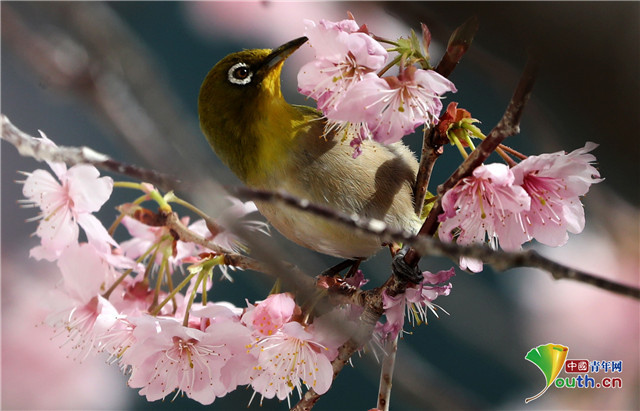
508, 125
503, 260
432, 140
386, 374
459, 43
429, 246
367, 225
432, 148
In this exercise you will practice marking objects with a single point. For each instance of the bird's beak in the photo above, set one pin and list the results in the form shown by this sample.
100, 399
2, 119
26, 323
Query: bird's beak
281, 53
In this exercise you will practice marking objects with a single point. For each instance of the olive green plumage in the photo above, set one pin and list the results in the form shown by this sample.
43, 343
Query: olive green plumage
270, 144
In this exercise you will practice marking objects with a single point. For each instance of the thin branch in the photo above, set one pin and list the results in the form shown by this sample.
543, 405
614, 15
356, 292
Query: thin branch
386, 375
429, 246
508, 125
367, 225
503, 260
432, 148
459, 43
39, 150
432, 140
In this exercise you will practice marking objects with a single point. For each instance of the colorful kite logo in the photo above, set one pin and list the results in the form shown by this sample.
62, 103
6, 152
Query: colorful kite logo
549, 358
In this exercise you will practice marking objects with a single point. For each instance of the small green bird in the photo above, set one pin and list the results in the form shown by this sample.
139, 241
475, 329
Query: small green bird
273, 145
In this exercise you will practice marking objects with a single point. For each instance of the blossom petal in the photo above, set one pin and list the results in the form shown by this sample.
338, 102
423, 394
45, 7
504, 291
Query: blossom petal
87, 190
96, 233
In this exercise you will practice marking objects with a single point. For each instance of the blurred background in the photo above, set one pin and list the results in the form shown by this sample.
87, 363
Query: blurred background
123, 78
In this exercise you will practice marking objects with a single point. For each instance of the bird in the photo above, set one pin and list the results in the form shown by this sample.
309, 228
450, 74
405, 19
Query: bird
273, 145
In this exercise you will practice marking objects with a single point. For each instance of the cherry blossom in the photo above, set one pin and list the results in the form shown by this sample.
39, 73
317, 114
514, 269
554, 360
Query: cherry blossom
168, 356
394, 106
417, 299
290, 359
288, 354
555, 182
271, 314
146, 238
343, 57
421, 296
77, 306
66, 203
485, 206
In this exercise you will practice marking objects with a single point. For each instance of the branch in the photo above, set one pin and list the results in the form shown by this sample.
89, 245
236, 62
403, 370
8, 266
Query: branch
429, 246
503, 260
366, 225
459, 43
386, 375
37, 149
432, 148
508, 125
432, 141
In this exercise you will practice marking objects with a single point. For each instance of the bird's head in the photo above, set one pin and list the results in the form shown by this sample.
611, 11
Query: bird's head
238, 97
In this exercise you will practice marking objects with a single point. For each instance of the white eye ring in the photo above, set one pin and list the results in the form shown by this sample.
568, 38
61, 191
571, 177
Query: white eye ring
236, 77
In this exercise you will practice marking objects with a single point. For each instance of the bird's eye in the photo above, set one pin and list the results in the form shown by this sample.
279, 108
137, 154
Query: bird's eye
240, 74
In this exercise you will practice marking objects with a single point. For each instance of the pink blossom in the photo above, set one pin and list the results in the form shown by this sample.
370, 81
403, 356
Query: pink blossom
555, 182
485, 205
78, 308
118, 338
240, 367
343, 57
134, 297
393, 107
290, 359
146, 237
416, 299
270, 315
66, 203
394, 307
421, 296
36, 373
288, 354
333, 329
168, 356
328, 38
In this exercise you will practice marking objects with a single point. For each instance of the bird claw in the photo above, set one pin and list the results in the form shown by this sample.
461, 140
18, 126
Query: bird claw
403, 271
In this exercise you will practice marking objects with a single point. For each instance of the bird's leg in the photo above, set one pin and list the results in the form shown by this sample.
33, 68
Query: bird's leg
332, 271
354, 268
403, 271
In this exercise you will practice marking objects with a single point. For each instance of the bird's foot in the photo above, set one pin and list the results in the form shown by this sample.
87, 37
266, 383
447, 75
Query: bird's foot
335, 270
403, 271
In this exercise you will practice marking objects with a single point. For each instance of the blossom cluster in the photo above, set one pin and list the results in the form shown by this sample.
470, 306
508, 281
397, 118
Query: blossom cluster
506, 205
417, 299
358, 101
539, 198
118, 298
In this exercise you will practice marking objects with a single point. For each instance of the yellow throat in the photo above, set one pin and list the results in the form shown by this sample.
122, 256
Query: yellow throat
244, 115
